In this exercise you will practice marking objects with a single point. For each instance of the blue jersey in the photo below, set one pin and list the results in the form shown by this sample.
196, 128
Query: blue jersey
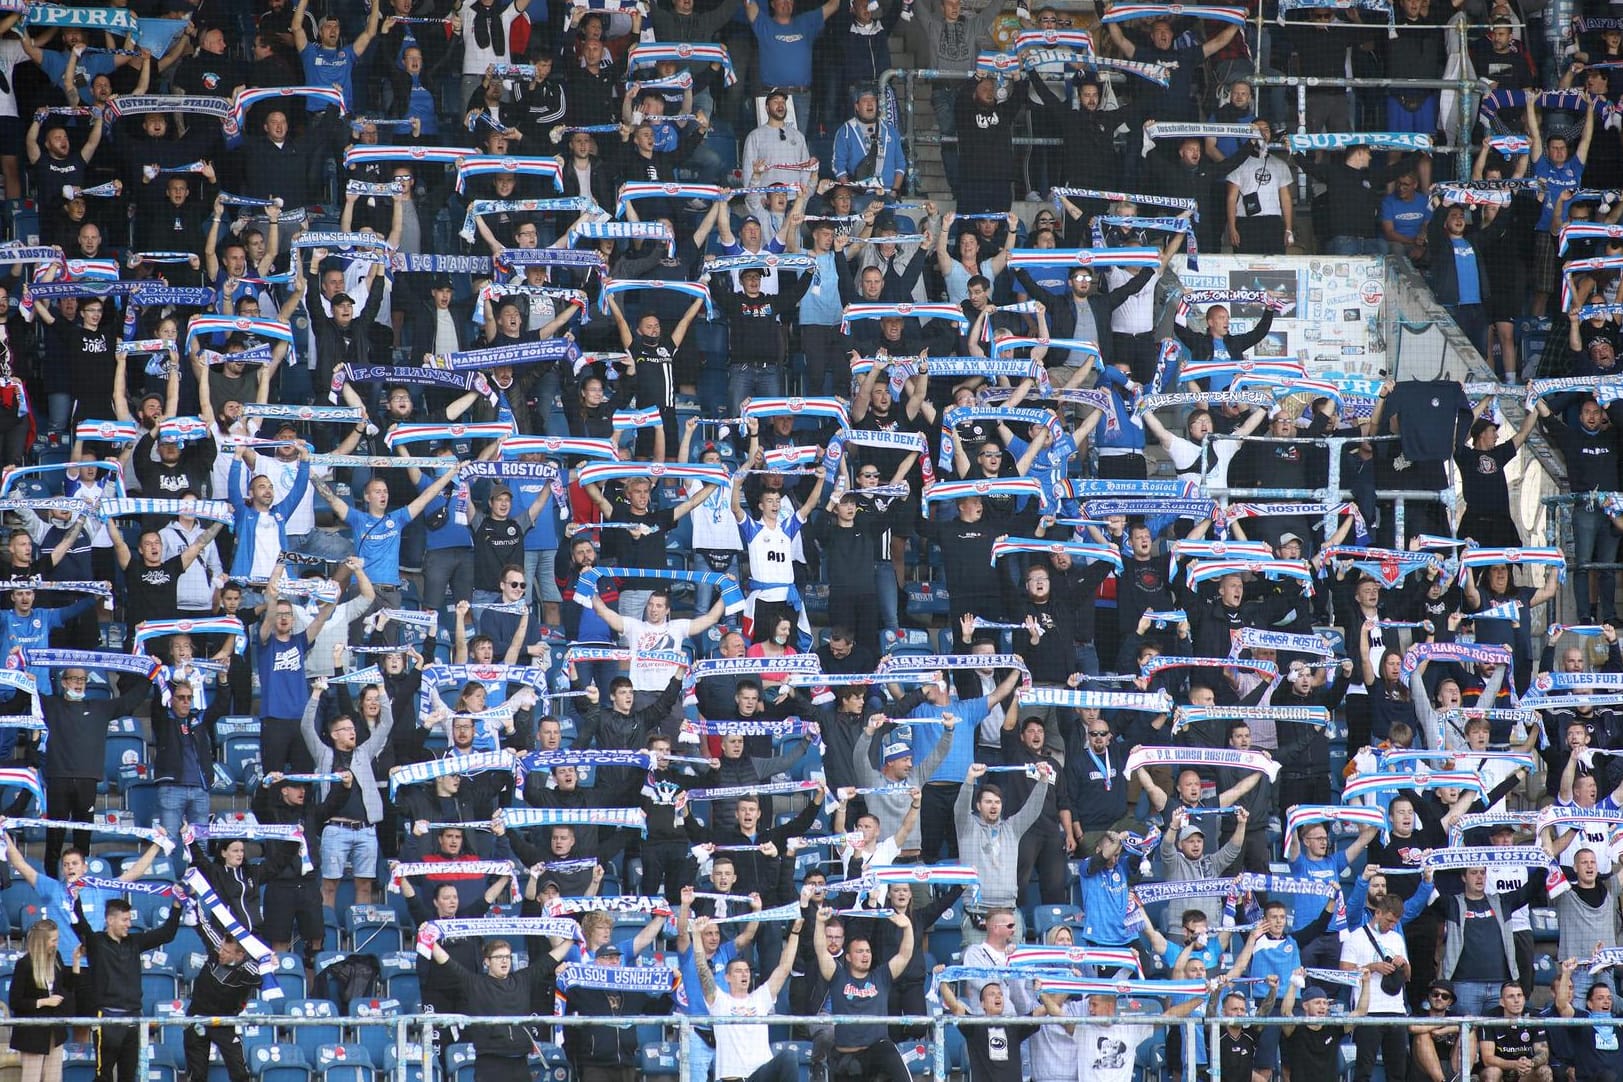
377, 542
325, 67
1104, 906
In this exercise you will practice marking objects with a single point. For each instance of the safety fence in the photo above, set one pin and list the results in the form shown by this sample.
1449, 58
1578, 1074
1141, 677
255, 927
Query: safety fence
417, 1037
903, 84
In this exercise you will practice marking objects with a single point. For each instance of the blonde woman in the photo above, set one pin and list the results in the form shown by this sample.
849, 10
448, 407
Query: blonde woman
42, 988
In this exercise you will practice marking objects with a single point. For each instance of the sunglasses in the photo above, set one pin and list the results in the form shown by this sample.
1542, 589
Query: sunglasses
1100, 732
516, 585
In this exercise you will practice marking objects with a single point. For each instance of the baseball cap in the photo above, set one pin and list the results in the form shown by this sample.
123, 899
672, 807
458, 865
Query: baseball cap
776, 92
500, 490
1189, 831
610, 948
1286, 538
342, 298
1441, 985
441, 282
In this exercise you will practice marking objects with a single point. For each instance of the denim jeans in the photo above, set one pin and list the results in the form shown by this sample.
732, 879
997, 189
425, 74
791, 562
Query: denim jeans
944, 100
1476, 998
181, 804
59, 409
540, 576
1345, 245
752, 381
885, 589
442, 568
700, 1057
1593, 542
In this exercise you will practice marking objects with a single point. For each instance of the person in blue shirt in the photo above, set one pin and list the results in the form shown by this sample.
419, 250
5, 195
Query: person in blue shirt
377, 531
25, 626
1459, 268
1405, 213
326, 62
56, 894
785, 41
283, 686
1313, 860
1105, 894
260, 529
1561, 168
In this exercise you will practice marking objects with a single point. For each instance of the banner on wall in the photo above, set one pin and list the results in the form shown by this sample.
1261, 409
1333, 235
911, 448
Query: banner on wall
1331, 318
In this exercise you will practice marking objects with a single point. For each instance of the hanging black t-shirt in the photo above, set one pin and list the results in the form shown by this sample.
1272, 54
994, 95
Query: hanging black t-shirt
1429, 417
150, 592
496, 543
1482, 476
1237, 1050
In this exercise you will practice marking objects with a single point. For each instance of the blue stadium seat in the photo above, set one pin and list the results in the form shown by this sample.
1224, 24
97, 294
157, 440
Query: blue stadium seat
375, 1039
659, 1061
412, 1054
1047, 916
240, 757
371, 929
344, 1063
159, 984
279, 1063
141, 798
551, 1065
309, 1039
803, 1055
459, 1062
78, 1062
17, 897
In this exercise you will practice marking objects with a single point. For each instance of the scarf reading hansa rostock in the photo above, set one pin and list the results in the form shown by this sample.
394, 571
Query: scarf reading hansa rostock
1474, 652
1256, 638
1233, 758
1486, 856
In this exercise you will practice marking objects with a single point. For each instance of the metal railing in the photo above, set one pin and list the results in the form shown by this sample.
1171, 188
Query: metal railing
422, 1053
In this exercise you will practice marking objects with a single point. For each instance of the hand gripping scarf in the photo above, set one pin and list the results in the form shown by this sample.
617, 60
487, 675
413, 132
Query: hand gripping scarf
291, 833
401, 435
1486, 856
654, 231
650, 53
478, 762
828, 409
1077, 550
479, 165
766, 261
924, 663
1146, 756
1028, 487
1389, 140
1122, 13
1139, 258
1141, 702
907, 310
1256, 638
1186, 716
1474, 653
1389, 567
1301, 815
1206, 570
1515, 557
1370, 784
147, 630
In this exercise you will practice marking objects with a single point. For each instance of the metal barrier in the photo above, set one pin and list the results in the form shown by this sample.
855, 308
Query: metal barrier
406, 1025
1332, 493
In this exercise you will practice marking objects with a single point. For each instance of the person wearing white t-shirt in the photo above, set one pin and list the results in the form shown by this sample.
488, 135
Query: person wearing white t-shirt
1208, 467
744, 1050
1106, 1052
871, 851
1379, 950
655, 632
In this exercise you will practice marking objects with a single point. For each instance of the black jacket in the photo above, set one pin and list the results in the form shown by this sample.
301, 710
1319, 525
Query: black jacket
115, 965
78, 743
1062, 315
171, 734
421, 326
24, 1001
329, 350
1444, 274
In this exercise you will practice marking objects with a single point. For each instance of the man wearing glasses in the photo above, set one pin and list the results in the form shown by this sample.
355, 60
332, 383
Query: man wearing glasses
1093, 787
1438, 1053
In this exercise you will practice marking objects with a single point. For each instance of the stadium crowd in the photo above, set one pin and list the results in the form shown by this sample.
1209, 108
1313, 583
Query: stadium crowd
423, 594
